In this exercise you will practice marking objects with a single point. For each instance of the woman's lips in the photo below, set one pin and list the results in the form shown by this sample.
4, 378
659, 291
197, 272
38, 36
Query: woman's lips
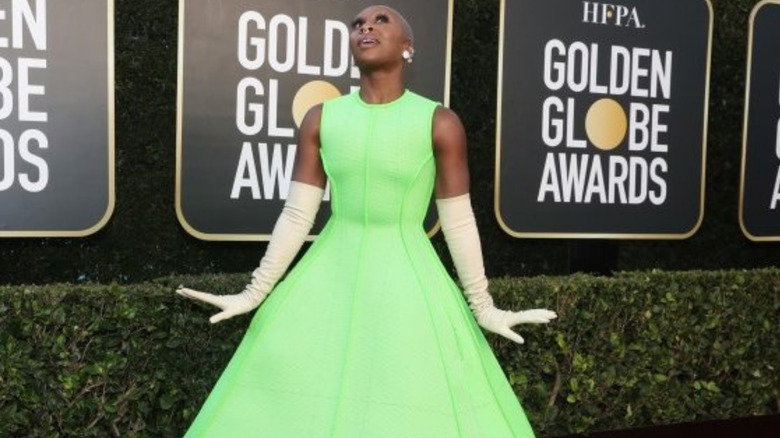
368, 42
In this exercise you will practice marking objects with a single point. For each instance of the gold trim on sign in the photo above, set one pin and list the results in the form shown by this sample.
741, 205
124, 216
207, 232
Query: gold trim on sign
569, 235
179, 124
741, 207
111, 162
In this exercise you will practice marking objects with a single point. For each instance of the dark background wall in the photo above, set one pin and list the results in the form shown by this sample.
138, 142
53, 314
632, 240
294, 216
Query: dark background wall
144, 240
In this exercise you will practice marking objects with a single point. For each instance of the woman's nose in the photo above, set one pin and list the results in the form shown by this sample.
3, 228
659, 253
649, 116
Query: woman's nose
366, 28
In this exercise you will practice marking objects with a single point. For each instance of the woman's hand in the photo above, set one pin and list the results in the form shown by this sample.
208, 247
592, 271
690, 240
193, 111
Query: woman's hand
303, 201
501, 321
231, 305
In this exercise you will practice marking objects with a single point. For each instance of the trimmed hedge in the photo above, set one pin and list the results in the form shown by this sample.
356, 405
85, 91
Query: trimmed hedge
637, 349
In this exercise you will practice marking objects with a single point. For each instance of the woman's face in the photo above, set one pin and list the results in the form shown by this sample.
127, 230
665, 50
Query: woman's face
378, 38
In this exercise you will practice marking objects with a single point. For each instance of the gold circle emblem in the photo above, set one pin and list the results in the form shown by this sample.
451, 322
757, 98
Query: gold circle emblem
606, 124
312, 93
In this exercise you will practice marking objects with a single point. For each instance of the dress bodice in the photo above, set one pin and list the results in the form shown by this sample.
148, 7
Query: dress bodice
379, 158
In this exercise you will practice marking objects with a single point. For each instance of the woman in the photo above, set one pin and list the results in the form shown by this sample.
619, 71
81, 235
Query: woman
368, 336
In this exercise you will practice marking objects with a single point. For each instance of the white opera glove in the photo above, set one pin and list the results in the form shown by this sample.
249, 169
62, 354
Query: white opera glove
289, 233
460, 232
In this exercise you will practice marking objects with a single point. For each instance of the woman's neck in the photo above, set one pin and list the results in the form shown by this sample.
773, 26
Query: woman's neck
381, 87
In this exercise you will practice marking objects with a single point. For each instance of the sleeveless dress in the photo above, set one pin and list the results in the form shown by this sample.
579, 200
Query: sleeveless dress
367, 336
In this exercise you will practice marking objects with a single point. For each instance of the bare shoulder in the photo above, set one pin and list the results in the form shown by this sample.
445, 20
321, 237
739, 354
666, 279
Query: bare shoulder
311, 121
448, 130
308, 163
446, 119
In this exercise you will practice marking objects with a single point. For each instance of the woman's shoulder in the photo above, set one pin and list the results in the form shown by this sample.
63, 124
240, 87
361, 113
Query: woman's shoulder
338, 100
423, 99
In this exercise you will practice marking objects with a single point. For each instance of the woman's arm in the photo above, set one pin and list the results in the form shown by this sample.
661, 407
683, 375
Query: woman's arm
292, 227
459, 226
308, 163
449, 148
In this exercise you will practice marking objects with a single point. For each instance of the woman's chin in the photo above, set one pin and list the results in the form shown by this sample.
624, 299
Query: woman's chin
371, 64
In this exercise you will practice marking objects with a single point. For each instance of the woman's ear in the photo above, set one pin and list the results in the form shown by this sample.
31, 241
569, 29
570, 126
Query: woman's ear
408, 53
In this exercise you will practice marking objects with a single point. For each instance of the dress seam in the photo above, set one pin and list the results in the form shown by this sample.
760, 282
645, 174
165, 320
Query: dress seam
482, 361
428, 304
350, 331
219, 404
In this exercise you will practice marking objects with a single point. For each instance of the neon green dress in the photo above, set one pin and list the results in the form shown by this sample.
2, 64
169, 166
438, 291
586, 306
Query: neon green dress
367, 336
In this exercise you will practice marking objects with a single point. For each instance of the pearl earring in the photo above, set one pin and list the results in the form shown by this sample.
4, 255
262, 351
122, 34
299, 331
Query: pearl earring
407, 55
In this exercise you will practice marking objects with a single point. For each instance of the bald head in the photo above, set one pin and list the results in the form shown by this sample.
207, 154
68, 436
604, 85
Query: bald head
408, 33
405, 24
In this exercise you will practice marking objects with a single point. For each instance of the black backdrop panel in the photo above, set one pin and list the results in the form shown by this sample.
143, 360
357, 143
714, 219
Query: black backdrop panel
56, 117
241, 58
760, 197
602, 118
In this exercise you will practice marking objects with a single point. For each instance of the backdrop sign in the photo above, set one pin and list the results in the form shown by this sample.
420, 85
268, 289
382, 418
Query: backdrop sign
602, 117
248, 72
56, 117
760, 187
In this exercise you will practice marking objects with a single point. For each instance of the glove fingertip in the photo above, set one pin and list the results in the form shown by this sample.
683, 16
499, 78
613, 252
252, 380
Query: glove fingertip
513, 336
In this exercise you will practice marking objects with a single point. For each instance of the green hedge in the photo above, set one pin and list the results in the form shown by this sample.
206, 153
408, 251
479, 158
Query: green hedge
637, 349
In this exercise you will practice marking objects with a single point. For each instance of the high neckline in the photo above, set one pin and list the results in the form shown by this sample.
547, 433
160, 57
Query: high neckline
380, 105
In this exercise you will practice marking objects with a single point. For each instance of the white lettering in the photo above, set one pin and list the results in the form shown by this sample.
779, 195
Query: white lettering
273, 102
661, 75
596, 182
619, 70
637, 184
9, 173
287, 22
617, 180
775, 192
590, 13
255, 61
658, 165
277, 170
559, 68
581, 178
573, 176
26, 89
3, 40
34, 22
576, 48
303, 30
24, 152
243, 108
639, 133
246, 174
638, 72
6, 96
570, 140
657, 128
555, 124
332, 28
549, 180
594, 68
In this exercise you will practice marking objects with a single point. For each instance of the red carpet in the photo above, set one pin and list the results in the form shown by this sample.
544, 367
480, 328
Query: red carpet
753, 427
